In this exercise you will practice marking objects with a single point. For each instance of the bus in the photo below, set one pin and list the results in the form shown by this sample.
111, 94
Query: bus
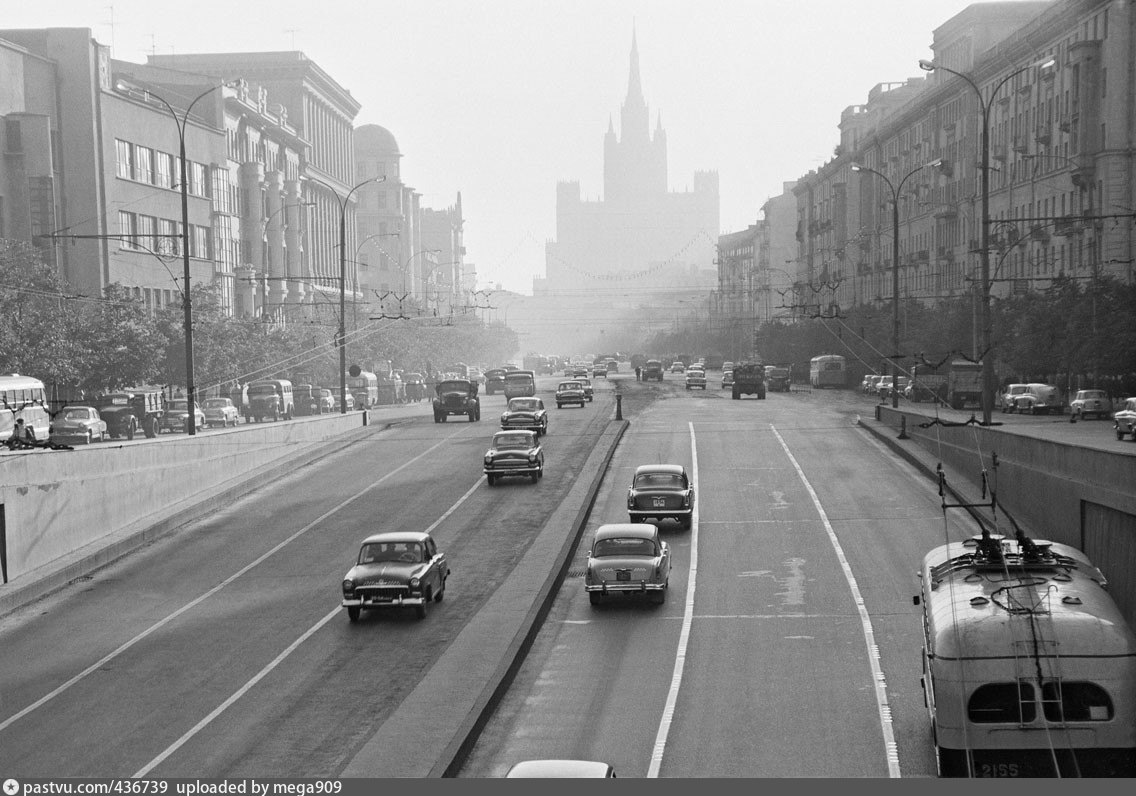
1029, 667
24, 398
828, 370
364, 387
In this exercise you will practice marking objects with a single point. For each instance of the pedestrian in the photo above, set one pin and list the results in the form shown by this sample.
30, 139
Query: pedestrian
638, 373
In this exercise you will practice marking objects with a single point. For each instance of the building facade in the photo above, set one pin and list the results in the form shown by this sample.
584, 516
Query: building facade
640, 234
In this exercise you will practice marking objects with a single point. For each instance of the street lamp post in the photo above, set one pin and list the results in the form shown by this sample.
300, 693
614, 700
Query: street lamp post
182, 121
895, 190
342, 341
985, 104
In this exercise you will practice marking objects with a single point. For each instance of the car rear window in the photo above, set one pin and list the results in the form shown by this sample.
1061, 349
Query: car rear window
623, 547
672, 480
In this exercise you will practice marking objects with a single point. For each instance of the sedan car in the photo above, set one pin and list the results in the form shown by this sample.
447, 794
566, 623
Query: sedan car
78, 424
570, 392
514, 454
627, 559
1009, 395
677, 367
560, 769
176, 417
727, 379
526, 413
660, 492
695, 378
1091, 403
324, 400
589, 392
220, 412
335, 407
394, 569
1124, 420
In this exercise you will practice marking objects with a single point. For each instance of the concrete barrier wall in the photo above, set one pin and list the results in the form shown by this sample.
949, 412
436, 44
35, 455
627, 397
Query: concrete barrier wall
1041, 482
57, 502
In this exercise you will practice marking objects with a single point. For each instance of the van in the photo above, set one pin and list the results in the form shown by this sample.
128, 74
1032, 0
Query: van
270, 398
1038, 398
520, 384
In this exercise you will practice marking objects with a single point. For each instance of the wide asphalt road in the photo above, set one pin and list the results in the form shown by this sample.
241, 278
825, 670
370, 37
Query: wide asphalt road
221, 650
788, 646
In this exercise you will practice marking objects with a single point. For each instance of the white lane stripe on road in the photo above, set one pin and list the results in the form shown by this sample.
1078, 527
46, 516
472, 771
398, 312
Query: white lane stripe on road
180, 742
890, 750
684, 634
198, 600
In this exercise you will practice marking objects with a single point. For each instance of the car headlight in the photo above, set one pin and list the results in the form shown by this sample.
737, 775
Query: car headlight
488, 459
348, 586
532, 458
414, 583
504, 416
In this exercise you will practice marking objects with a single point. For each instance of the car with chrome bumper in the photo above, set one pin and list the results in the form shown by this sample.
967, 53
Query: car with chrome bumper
696, 378
525, 413
81, 424
395, 569
220, 412
514, 454
1090, 403
570, 392
627, 559
661, 492
177, 415
1124, 419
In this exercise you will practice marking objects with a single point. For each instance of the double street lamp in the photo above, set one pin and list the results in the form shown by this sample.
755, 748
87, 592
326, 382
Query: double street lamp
342, 341
895, 191
182, 122
985, 103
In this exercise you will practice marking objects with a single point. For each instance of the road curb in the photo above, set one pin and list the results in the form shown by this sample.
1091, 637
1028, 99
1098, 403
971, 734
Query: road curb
98, 554
434, 729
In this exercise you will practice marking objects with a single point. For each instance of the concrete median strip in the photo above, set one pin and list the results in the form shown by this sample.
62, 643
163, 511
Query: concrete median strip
433, 730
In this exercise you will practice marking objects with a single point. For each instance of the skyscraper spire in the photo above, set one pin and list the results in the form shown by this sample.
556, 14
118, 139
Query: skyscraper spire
634, 83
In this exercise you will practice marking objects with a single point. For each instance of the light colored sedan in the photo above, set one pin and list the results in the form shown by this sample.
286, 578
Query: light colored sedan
1090, 403
220, 412
627, 559
78, 424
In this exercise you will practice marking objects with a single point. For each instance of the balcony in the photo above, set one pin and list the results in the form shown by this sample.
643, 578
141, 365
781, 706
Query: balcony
1040, 233
1021, 144
1043, 135
998, 151
1065, 123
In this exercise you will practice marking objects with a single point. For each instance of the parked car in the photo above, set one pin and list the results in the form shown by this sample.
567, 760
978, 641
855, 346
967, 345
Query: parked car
695, 378
335, 407
728, 365
325, 400
570, 392
868, 382
661, 492
1124, 420
514, 453
456, 397
727, 379
1038, 398
1007, 397
526, 413
394, 569
77, 424
1091, 403
220, 412
176, 417
560, 769
627, 559
902, 383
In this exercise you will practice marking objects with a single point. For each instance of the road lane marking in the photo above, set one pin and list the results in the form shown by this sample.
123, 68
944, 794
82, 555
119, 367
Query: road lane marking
198, 600
684, 634
244, 689
891, 752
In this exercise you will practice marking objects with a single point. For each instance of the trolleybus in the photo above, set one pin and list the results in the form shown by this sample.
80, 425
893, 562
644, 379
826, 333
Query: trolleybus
1029, 668
828, 370
23, 398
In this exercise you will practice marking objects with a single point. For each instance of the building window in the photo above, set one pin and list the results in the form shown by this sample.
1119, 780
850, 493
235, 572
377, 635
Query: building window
124, 160
164, 171
198, 182
169, 240
13, 141
144, 164
127, 229
200, 243
147, 231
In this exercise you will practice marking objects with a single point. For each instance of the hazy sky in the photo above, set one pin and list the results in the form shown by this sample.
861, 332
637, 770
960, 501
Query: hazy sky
500, 99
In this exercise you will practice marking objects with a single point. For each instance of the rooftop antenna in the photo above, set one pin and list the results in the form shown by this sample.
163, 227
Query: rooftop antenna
292, 32
111, 9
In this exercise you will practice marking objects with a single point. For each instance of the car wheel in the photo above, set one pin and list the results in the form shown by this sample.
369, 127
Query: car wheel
89, 437
471, 417
659, 597
491, 479
420, 609
534, 477
441, 592
1119, 434
595, 598
353, 613
559, 406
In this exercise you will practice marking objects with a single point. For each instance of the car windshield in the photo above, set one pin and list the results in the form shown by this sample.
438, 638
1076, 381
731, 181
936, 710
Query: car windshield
523, 405
375, 552
178, 406
1090, 394
217, 403
571, 385
656, 480
623, 547
76, 414
453, 387
511, 442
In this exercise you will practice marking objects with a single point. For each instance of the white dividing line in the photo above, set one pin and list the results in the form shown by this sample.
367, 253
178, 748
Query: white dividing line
205, 722
198, 600
890, 750
684, 634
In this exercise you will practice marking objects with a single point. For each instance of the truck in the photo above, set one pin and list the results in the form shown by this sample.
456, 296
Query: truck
270, 398
955, 384
749, 379
132, 409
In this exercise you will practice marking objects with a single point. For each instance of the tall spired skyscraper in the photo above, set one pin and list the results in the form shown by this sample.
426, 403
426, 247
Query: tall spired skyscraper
640, 234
